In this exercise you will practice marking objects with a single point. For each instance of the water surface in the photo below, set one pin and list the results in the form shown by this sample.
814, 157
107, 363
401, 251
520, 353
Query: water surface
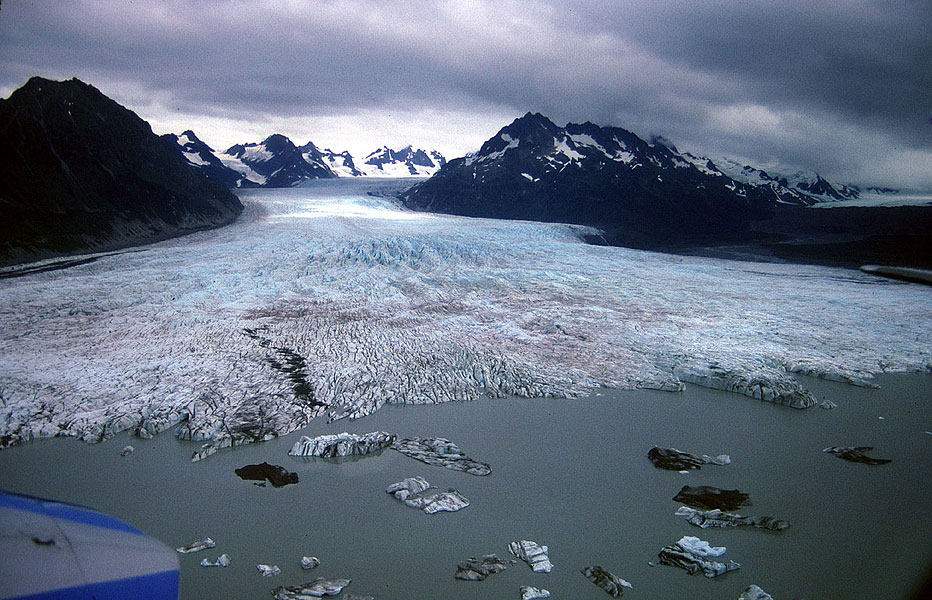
571, 474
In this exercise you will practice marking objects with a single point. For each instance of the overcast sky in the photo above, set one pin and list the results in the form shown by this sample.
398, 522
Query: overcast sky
841, 87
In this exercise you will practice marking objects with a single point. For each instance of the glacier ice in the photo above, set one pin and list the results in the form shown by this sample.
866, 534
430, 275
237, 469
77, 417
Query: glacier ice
323, 301
533, 554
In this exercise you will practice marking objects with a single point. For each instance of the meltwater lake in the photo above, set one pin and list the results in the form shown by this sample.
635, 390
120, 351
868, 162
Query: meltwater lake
569, 474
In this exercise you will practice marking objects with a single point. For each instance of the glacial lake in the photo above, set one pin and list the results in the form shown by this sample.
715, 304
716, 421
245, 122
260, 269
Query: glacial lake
569, 474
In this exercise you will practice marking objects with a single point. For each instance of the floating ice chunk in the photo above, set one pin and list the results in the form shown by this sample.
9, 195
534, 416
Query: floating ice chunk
442, 453
856, 454
476, 569
701, 548
407, 487
613, 585
694, 555
417, 493
268, 570
222, 561
533, 554
717, 518
318, 588
342, 444
752, 592
309, 562
677, 460
533, 593
828, 405
127, 450
197, 546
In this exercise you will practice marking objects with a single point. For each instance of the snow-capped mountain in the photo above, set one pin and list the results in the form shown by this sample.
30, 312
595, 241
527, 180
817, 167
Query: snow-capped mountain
341, 163
603, 176
800, 187
406, 162
274, 162
202, 158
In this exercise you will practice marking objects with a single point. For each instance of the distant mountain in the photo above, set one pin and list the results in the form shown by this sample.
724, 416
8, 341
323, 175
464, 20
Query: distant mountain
800, 187
341, 163
639, 193
202, 158
82, 173
406, 162
275, 162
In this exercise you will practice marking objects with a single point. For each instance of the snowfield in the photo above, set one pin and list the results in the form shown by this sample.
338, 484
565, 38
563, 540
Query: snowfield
323, 301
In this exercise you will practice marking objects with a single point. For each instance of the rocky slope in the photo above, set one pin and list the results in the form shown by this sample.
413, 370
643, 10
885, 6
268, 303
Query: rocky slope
276, 162
82, 173
636, 192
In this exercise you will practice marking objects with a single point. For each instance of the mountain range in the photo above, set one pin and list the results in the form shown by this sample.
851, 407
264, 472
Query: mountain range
277, 162
648, 194
85, 174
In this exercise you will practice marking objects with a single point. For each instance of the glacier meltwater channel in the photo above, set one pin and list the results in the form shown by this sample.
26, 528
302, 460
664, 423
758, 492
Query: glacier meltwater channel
328, 301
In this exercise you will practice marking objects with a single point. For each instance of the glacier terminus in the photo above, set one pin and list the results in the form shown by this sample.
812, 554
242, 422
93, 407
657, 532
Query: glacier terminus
329, 300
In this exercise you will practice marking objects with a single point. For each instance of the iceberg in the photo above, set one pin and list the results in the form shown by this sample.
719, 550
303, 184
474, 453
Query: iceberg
197, 546
442, 453
342, 444
695, 555
417, 493
318, 588
477, 569
613, 585
533, 554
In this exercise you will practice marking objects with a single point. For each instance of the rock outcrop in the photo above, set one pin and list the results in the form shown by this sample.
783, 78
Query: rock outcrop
716, 518
442, 453
84, 174
695, 555
342, 444
707, 497
613, 585
677, 460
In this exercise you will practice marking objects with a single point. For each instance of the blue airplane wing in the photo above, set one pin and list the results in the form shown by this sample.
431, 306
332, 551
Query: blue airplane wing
64, 551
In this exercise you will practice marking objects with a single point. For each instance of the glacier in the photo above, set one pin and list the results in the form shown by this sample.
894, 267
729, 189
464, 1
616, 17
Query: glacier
328, 300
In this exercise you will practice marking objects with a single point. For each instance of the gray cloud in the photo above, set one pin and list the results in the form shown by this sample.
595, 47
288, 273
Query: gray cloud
842, 87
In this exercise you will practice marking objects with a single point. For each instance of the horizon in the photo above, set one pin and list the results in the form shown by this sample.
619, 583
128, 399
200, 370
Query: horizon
800, 86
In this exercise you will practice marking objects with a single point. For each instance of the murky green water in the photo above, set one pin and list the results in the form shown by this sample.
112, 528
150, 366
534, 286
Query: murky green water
571, 474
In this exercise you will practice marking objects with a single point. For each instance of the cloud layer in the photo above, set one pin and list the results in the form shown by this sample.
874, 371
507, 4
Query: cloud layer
840, 87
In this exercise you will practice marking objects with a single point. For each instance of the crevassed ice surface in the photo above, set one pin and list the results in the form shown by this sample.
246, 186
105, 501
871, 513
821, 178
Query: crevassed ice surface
323, 300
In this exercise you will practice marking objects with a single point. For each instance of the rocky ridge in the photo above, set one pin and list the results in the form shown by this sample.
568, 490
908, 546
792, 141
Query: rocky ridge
85, 174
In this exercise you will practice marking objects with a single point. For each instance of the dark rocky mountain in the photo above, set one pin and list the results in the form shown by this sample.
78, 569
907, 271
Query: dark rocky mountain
82, 173
639, 194
276, 162
202, 158
402, 163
